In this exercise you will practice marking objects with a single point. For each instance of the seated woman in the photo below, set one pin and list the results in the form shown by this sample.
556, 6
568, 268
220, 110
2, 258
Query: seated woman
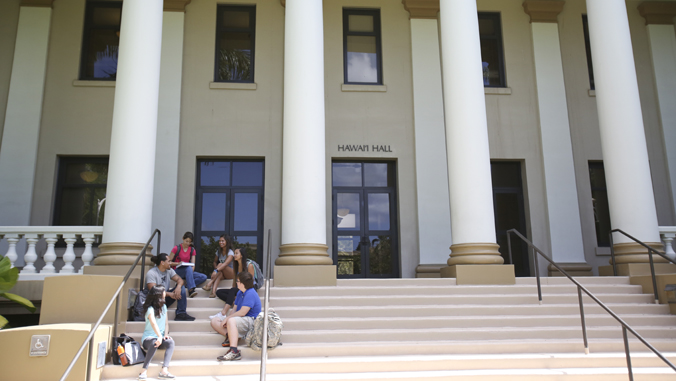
185, 253
241, 319
156, 333
228, 295
223, 268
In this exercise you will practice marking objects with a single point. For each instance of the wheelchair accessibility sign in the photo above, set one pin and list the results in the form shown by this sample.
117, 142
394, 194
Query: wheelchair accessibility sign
39, 345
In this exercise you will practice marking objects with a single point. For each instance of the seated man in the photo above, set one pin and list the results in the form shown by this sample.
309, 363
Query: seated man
161, 274
241, 317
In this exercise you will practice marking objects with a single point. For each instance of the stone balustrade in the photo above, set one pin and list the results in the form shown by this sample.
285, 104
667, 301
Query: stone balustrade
40, 243
668, 233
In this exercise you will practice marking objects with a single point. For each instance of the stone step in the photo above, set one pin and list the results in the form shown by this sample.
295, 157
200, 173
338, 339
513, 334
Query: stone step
395, 322
393, 365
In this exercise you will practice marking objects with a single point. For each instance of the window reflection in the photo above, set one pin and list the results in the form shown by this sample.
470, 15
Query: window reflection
246, 211
346, 174
349, 255
349, 216
215, 173
380, 254
247, 173
375, 174
213, 211
379, 211
101, 40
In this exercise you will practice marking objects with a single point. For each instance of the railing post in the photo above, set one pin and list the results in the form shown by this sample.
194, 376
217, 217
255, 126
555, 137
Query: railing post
69, 255
117, 312
612, 252
50, 254
87, 254
509, 247
12, 240
537, 272
626, 351
584, 325
652, 272
31, 256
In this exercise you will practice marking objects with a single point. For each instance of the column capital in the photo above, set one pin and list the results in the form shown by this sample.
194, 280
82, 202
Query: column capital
658, 12
37, 3
543, 10
175, 5
422, 9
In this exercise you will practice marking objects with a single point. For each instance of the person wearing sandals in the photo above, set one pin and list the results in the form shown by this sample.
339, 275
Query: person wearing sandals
186, 253
228, 295
156, 333
240, 320
223, 268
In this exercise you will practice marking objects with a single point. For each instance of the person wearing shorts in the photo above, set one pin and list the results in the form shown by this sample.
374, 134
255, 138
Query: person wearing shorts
241, 317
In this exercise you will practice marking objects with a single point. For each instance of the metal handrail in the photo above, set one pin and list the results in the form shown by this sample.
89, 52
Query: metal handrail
264, 348
580, 288
650, 255
116, 298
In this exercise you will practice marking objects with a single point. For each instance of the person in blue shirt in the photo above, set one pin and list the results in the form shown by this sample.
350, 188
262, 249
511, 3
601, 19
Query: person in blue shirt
240, 320
156, 333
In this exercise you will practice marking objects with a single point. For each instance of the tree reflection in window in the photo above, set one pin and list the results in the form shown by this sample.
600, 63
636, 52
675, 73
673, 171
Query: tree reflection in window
235, 40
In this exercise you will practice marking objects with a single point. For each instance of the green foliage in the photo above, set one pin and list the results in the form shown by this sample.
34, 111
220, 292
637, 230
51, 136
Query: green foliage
8, 277
234, 65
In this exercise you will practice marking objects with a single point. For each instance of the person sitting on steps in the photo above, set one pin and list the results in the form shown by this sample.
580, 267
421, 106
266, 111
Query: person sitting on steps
185, 252
241, 319
160, 275
156, 333
241, 263
223, 268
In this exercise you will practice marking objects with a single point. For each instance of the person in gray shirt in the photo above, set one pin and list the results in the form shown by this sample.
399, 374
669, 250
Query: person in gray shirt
161, 274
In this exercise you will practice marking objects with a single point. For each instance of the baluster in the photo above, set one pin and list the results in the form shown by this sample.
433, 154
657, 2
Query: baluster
87, 255
12, 240
69, 255
669, 250
50, 254
31, 256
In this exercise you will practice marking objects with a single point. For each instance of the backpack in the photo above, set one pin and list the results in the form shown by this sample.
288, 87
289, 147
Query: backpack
254, 338
258, 274
127, 351
178, 251
136, 311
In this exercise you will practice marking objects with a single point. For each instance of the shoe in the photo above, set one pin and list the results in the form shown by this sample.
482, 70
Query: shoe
143, 376
206, 288
184, 317
166, 376
212, 295
218, 315
230, 356
225, 343
192, 293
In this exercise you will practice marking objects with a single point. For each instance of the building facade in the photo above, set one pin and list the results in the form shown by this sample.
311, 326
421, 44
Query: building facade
376, 136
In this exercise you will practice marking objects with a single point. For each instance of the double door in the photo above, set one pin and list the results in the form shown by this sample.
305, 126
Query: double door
365, 240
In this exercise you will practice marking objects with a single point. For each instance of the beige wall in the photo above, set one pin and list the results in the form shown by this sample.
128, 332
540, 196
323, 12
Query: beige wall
9, 20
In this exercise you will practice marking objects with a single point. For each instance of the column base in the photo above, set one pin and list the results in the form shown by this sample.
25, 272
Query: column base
480, 274
637, 269
303, 254
429, 271
120, 253
475, 254
632, 252
305, 276
573, 269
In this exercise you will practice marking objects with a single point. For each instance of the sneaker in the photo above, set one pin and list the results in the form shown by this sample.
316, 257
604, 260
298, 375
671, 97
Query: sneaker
192, 293
184, 317
143, 376
166, 376
230, 356
225, 343
218, 315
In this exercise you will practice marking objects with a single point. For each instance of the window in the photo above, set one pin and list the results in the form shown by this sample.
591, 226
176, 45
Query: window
81, 191
235, 43
492, 56
362, 57
101, 40
597, 177
587, 46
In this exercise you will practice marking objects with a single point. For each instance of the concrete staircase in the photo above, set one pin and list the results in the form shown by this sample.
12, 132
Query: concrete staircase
432, 329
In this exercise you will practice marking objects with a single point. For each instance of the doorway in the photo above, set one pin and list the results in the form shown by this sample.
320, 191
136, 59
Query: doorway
365, 239
229, 200
508, 206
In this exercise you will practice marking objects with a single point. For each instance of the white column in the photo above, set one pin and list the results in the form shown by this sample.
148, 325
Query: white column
18, 152
469, 171
434, 216
131, 168
304, 157
625, 156
565, 229
168, 128
663, 50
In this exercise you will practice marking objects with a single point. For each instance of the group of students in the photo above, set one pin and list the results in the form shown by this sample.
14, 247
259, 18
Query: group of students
235, 319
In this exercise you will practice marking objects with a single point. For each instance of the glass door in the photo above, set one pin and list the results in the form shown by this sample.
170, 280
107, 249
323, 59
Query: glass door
229, 200
365, 242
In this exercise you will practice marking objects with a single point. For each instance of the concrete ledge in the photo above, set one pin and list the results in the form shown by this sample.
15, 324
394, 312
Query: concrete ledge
573, 269
637, 269
646, 282
305, 276
86, 83
480, 274
429, 271
498, 90
232, 86
364, 88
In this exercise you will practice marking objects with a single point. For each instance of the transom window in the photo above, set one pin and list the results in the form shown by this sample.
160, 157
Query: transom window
362, 56
235, 43
81, 191
101, 40
492, 55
